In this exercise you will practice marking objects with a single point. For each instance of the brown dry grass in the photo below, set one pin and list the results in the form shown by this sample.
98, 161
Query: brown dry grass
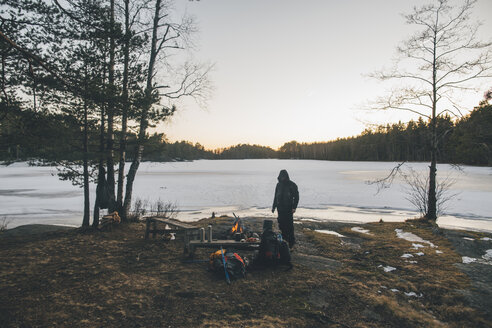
435, 276
117, 279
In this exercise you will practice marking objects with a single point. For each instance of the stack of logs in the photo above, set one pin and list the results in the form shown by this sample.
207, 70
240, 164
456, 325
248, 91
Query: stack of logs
108, 220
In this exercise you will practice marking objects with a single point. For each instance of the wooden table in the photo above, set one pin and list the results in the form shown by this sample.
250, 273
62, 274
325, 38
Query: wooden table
188, 230
221, 243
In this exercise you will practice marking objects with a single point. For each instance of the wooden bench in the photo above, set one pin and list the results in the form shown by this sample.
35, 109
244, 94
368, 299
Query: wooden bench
178, 227
193, 244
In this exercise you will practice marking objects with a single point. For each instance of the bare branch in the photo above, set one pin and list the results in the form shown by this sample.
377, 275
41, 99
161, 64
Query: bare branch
387, 181
194, 83
417, 190
394, 75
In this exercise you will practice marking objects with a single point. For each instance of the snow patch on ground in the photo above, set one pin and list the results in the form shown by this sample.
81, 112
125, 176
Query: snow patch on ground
468, 238
486, 238
329, 232
361, 230
488, 255
438, 251
407, 255
468, 260
412, 262
486, 258
394, 290
413, 294
412, 237
417, 246
420, 254
388, 268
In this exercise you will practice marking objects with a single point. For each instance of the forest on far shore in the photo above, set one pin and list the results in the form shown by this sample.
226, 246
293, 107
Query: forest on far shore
28, 135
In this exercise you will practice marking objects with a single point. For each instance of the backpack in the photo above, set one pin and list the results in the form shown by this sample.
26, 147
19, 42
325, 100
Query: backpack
235, 265
273, 249
269, 248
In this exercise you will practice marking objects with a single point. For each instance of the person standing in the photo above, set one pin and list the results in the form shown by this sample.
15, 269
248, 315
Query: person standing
285, 201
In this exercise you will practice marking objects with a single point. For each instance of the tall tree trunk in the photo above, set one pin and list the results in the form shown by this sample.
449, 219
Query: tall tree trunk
110, 137
431, 196
147, 103
124, 118
85, 221
132, 172
34, 102
4, 90
100, 169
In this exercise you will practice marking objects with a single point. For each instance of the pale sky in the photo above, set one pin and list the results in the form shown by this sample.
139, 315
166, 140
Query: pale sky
294, 70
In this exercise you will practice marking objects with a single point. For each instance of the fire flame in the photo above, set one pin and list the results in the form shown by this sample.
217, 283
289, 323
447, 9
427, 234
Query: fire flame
236, 228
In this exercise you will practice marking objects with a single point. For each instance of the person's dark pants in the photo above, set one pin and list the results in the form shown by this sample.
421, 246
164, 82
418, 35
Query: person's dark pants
286, 224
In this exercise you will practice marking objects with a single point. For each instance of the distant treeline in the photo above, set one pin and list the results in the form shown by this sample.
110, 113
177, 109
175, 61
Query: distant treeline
464, 141
467, 140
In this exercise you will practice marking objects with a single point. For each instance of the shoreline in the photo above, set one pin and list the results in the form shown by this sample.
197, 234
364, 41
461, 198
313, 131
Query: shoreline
330, 213
35, 228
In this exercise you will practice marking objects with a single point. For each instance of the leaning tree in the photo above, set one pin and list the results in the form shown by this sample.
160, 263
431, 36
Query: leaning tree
435, 66
159, 94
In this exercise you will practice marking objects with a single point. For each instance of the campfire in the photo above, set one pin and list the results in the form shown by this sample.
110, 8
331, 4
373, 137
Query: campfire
237, 230
237, 227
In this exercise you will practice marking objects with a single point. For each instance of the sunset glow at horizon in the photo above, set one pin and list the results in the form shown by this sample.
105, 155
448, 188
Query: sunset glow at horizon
294, 70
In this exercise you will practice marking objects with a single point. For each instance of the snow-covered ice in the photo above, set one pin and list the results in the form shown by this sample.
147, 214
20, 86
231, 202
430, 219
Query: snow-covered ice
412, 237
329, 232
329, 191
361, 230
308, 220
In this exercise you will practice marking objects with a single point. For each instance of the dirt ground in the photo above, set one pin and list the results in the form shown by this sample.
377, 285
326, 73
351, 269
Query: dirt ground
74, 278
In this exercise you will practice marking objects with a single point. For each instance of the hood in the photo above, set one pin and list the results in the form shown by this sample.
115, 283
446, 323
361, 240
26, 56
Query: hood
283, 176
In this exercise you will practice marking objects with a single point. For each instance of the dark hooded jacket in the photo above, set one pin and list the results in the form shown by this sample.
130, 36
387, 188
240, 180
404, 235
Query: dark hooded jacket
286, 193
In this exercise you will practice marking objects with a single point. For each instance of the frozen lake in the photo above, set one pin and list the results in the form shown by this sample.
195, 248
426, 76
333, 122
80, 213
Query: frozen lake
328, 191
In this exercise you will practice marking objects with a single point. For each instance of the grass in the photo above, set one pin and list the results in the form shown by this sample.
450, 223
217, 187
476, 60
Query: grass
434, 276
117, 279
